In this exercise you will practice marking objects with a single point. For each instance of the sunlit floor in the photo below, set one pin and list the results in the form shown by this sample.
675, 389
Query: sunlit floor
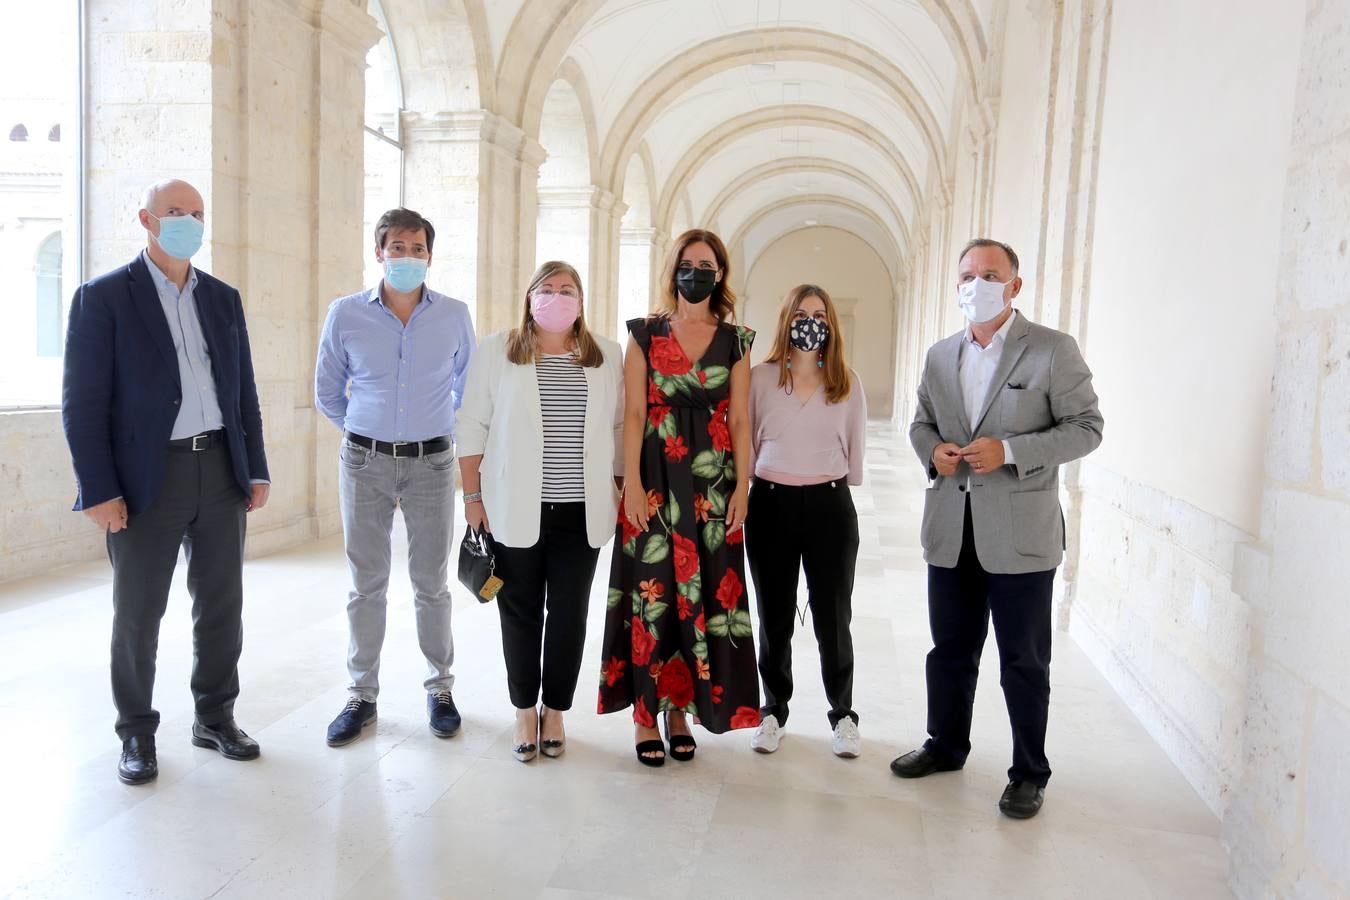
401, 813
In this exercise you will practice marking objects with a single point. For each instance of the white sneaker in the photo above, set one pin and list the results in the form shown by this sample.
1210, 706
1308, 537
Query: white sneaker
766, 736
847, 740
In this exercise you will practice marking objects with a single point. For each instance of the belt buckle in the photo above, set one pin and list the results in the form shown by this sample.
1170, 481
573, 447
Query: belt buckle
396, 444
205, 442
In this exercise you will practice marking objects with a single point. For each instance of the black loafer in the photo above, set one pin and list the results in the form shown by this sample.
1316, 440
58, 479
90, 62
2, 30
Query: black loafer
138, 764
355, 716
918, 763
444, 718
1021, 799
227, 737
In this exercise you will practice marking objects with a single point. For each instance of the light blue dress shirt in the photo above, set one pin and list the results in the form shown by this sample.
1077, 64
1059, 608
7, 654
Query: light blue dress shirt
200, 410
405, 381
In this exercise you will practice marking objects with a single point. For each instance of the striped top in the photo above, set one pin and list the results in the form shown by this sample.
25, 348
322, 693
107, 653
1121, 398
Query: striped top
562, 400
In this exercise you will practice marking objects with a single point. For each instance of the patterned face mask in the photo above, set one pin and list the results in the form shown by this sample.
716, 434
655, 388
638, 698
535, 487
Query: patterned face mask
808, 333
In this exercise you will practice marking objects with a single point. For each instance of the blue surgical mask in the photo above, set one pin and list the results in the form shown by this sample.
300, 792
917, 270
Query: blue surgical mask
404, 273
179, 236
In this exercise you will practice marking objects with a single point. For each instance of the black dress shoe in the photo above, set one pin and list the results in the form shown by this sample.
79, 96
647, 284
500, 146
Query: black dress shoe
356, 715
445, 720
1021, 799
138, 764
226, 737
918, 763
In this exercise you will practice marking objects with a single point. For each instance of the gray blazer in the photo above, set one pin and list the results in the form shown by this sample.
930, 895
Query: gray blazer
1041, 401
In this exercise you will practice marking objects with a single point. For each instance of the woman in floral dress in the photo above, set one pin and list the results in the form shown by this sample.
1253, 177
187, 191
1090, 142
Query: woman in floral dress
678, 639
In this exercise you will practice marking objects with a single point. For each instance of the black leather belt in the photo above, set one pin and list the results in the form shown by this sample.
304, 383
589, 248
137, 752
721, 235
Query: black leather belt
401, 449
199, 442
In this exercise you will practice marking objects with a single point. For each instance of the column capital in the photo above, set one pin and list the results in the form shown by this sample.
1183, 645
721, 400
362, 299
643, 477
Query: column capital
475, 125
345, 22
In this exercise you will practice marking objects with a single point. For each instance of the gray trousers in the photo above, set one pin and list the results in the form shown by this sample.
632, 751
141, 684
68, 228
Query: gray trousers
200, 509
370, 486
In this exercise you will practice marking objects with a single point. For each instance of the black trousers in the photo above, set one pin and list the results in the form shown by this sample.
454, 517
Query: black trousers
815, 529
200, 509
960, 603
555, 574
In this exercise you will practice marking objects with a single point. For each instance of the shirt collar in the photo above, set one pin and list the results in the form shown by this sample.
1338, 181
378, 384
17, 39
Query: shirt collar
999, 336
161, 280
427, 293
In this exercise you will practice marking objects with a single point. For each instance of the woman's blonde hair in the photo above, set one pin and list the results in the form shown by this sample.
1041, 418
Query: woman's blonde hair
522, 344
722, 302
838, 383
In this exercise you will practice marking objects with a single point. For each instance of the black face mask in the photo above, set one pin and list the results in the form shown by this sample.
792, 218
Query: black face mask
808, 334
696, 285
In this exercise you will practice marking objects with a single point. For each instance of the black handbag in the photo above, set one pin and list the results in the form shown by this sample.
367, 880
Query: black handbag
478, 565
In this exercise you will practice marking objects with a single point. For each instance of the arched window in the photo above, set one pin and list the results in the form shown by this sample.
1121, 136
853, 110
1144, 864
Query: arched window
18, 133
383, 135
48, 319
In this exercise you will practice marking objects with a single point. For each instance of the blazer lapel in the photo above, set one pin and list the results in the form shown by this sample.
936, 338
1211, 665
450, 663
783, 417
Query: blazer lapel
1014, 345
146, 299
950, 367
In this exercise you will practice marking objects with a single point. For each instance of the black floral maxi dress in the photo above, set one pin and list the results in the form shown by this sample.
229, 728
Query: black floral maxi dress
677, 625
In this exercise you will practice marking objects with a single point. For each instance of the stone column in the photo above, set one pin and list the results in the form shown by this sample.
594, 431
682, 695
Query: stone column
638, 261
508, 184
606, 219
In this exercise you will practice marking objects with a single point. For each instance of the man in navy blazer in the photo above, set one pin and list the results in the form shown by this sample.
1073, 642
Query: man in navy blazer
165, 431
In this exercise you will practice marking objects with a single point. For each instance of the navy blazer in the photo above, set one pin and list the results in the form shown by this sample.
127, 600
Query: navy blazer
122, 392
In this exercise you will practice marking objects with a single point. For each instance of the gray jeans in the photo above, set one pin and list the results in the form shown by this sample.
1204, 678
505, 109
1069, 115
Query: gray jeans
370, 486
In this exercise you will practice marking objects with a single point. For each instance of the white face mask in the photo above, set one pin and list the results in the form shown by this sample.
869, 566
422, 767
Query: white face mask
981, 300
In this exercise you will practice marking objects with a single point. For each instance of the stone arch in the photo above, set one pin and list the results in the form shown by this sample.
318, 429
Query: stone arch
444, 53
817, 201
706, 148
788, 165
566, 193
720, 54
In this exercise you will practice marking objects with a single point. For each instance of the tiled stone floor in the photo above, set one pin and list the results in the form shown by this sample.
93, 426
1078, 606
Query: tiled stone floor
403, 814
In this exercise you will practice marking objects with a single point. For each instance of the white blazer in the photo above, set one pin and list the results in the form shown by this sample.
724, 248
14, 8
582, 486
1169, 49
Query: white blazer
500, 418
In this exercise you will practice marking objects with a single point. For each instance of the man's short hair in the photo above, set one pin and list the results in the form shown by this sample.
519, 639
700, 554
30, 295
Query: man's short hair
989, 242
401, 219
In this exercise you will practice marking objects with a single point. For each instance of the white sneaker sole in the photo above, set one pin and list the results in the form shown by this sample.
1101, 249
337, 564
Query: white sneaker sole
760, 748
847, 754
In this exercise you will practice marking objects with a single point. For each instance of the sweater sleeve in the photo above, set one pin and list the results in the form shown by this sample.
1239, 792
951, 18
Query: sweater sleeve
857, 431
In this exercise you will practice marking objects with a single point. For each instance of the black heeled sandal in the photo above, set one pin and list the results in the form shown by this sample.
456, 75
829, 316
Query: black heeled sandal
682, 746
654, 746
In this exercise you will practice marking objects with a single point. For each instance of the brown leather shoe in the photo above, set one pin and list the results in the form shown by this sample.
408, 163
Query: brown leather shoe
226, 737
138, 764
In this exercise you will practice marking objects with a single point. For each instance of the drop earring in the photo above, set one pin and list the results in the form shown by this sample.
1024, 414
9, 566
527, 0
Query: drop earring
820, 360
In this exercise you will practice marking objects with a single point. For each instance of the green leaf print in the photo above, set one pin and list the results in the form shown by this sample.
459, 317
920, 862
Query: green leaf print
740, 623
655, 609
637, 603
707, 464
668, 427
667, 383
714, 533
615, 595
701, 649
718, 501
656, 549
630, 547
672, 511
692, 589
716, 375
718, 626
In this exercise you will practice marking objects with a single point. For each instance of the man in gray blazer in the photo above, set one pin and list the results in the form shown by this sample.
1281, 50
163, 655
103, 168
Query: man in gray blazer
1002, 405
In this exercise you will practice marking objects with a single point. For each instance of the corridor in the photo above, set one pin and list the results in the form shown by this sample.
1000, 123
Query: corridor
403, 814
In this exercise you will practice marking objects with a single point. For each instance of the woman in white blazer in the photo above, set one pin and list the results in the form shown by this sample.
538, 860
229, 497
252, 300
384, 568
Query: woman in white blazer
536, 431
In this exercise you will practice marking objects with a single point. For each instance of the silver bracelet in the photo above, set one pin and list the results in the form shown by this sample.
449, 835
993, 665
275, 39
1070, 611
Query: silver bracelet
473, 497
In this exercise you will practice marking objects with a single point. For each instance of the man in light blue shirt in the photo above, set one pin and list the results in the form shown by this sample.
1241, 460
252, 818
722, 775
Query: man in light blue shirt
390, 374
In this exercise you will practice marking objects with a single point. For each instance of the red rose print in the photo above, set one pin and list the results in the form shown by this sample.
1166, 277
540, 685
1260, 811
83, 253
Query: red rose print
676, 683
656, 415
654, 395
654, 669
685, 609
667, 357
655, 500
745, 717
600, 706
643, 643
717, 693
686, 558
717, 427
699, 624
675, 448
702, 377
613, 670
730, 590
736, 537
641, 715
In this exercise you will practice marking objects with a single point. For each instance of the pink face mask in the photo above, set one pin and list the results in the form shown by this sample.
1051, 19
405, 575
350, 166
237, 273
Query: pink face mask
554, 312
